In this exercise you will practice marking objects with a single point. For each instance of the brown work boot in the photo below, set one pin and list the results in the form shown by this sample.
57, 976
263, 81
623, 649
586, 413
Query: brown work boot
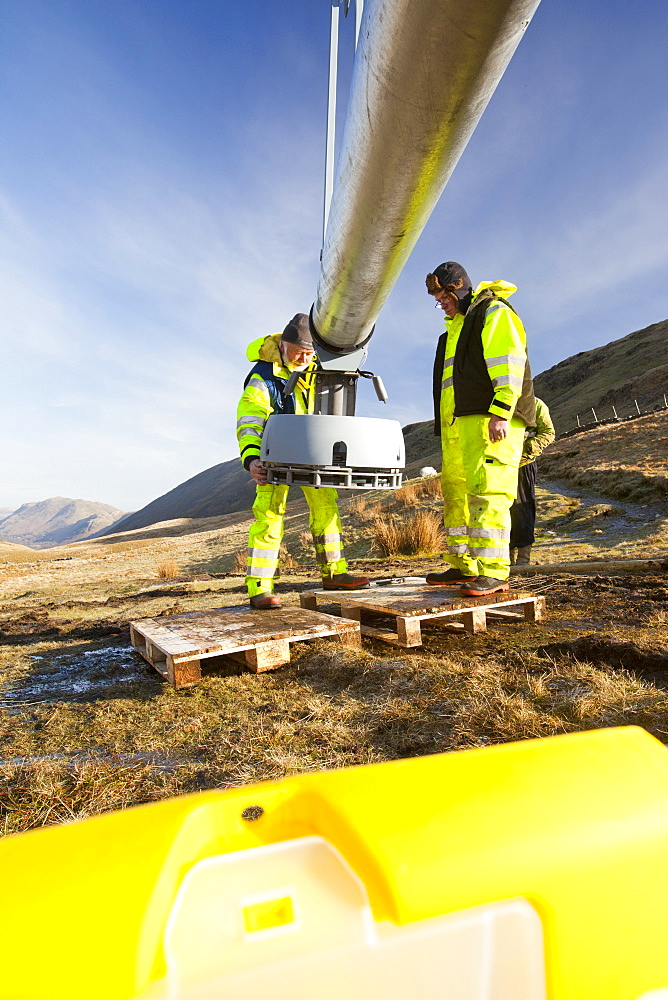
266, 601
523, 556
484, 585
345, 581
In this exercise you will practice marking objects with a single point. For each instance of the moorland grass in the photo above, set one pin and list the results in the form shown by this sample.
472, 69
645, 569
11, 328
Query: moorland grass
86, 726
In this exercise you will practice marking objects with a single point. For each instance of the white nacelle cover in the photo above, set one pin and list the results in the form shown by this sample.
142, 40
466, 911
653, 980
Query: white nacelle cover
323, 440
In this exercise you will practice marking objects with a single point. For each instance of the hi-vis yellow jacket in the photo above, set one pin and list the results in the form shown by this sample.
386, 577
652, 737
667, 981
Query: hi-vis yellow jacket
504, 352
538, 437
263, 396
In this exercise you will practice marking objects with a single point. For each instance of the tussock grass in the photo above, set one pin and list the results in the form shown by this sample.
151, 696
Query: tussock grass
305, 540
407, 495
431, 487
168, 569
364, 510
288, 562
419, 490
419, 534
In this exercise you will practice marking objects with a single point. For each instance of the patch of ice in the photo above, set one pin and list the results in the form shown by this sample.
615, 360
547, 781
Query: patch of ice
72, 675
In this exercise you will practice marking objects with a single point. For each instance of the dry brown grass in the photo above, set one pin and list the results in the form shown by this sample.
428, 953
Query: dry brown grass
40, 793
132, 545
305, 540
240, 561
363, 509
358, 506
168, 569
415, 491
328, 709
288, 562
627, 460
22, 554
431, 487
86, 725
407, 495
418, 534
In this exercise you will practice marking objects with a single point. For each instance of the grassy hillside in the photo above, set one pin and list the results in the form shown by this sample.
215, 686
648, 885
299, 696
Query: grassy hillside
223, 489
623, 461
633, 367
626, 461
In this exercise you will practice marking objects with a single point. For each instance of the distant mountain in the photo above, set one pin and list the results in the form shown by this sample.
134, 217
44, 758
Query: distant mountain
223, 489
632, 368
6, 511
57, 521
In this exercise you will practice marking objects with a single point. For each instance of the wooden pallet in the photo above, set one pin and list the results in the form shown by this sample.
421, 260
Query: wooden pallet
176, 644
409, 604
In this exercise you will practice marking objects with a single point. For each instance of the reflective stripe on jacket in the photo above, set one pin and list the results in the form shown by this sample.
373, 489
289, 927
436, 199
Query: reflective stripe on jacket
258, 400
497, 386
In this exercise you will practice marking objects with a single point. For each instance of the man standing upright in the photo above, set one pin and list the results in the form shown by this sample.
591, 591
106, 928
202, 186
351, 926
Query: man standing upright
523, 510
277, 357
483, 401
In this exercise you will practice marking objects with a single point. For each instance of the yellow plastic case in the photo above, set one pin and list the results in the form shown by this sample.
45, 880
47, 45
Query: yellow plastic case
518, 872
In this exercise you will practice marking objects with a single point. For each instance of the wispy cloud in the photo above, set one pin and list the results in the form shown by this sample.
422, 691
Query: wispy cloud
158, 216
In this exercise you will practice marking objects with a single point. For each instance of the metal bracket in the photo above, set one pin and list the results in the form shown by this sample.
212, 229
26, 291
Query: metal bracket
338, 478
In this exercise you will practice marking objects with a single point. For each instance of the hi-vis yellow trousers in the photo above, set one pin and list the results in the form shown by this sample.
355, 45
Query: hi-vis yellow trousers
266, 534
479, 483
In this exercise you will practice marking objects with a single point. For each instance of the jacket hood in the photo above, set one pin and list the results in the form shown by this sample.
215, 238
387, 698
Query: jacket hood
499, 287
265, 349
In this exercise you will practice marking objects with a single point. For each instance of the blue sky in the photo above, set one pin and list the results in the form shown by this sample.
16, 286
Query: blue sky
161, 200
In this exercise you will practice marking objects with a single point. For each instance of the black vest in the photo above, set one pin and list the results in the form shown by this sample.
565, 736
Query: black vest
472, 384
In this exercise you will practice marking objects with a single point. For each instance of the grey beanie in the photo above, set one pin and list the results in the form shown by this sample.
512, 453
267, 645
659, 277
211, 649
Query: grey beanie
298, 332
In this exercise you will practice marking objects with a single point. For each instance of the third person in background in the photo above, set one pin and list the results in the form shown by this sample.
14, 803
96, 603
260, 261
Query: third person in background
523, 510
483, 401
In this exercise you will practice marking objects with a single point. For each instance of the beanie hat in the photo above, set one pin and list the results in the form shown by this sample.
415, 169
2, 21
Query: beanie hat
298, 332
451, 277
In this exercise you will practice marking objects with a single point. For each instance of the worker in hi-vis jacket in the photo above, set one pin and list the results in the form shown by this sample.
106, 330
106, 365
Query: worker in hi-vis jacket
523, 510
483, 402
277, 357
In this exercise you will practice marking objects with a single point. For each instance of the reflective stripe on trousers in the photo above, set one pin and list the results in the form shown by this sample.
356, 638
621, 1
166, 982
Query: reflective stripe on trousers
479, 483
266, 534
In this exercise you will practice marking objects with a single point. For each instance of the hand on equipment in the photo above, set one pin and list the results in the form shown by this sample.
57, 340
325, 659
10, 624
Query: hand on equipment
498, 428
258, 471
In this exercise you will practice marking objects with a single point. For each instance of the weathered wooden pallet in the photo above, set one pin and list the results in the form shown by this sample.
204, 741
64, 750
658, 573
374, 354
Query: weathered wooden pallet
176, 644
409, 604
